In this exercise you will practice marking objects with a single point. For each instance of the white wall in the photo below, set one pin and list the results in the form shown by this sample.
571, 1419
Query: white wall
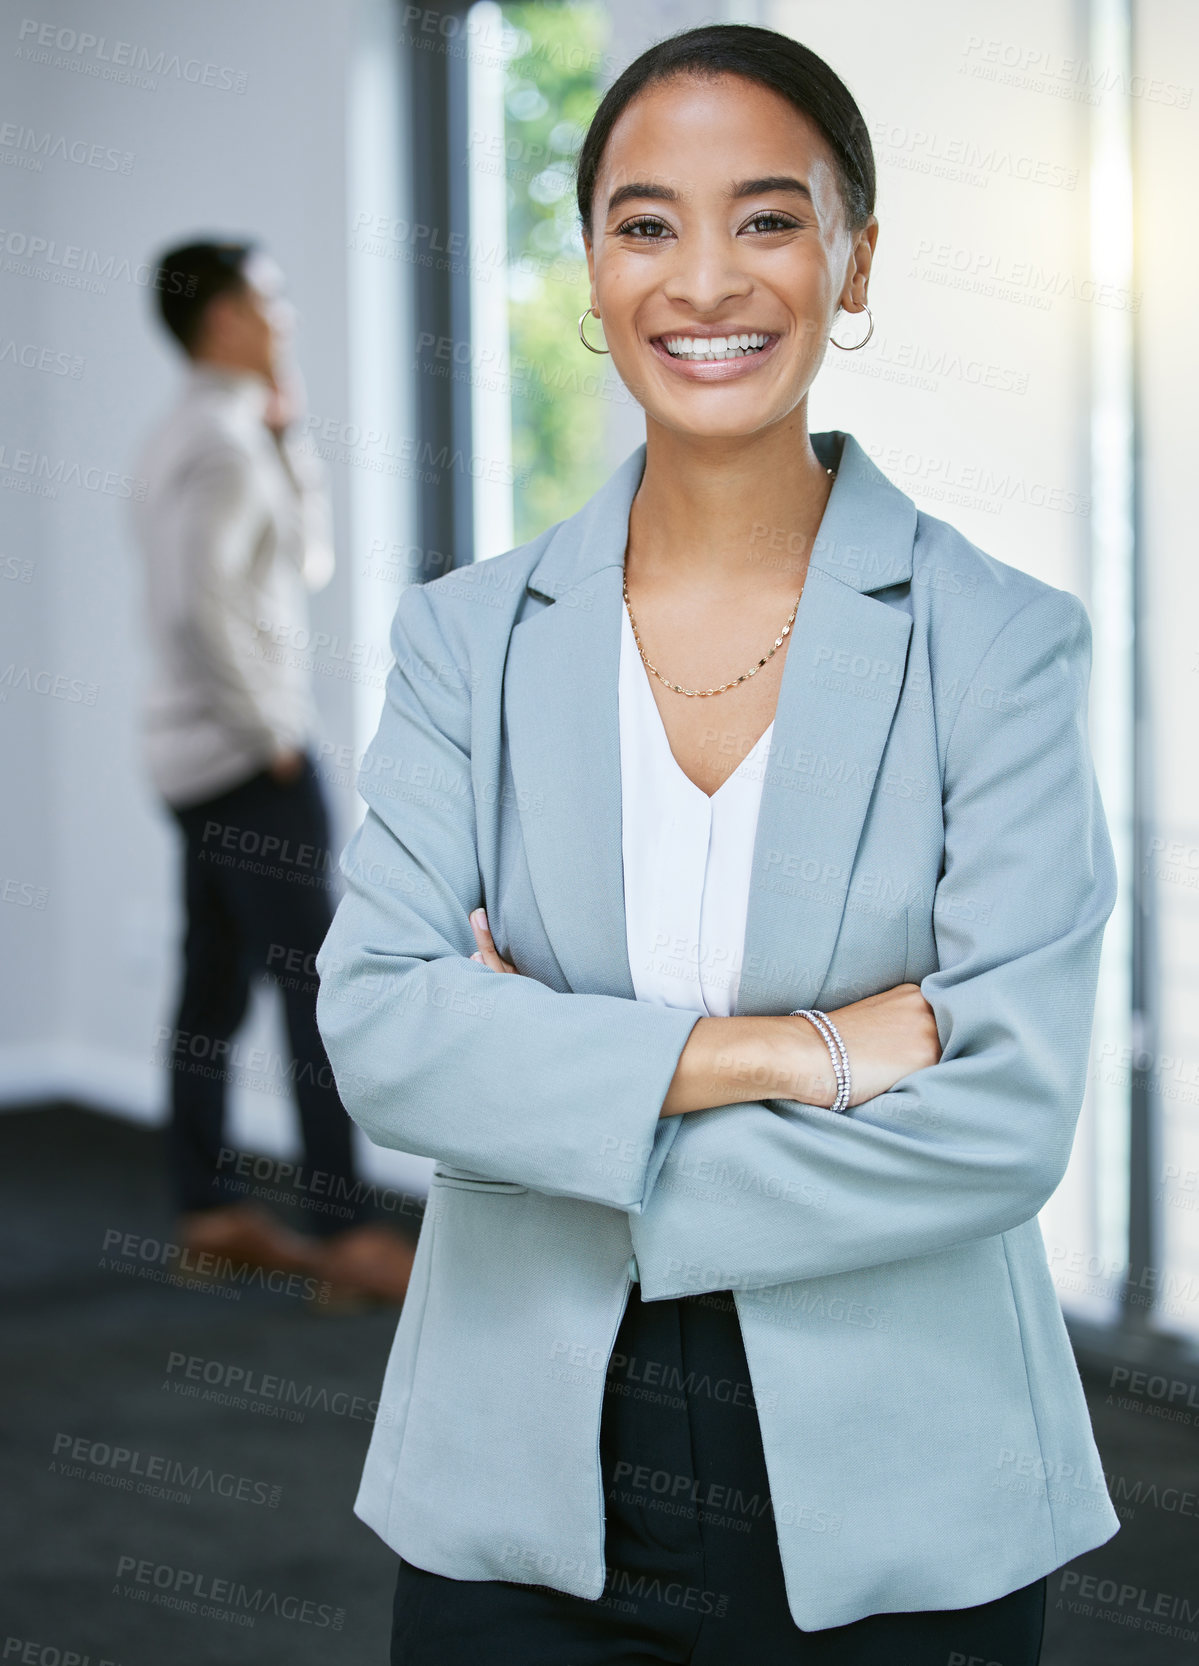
975, 396
972, 394
974, 399
1167, 140
268, 119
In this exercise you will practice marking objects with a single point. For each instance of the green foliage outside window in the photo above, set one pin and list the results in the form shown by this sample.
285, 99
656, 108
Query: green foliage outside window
553, 84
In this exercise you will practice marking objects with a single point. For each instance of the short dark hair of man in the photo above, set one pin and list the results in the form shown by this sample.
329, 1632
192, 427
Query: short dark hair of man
194, 275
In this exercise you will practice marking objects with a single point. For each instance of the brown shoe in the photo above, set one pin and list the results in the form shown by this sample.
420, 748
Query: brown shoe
248, 1236
368, 1262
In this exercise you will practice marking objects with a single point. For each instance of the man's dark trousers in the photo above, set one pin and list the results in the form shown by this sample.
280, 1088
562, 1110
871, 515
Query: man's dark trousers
257, 867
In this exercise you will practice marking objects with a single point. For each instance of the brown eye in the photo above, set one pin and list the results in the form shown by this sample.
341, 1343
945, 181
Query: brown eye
645, 229
775, 222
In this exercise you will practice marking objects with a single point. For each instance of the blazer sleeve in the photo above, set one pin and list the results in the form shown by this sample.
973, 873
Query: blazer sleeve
432, 1052
774, 1191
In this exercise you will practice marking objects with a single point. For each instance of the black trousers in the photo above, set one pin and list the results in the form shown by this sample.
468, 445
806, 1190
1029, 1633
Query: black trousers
694, 1573
257, 868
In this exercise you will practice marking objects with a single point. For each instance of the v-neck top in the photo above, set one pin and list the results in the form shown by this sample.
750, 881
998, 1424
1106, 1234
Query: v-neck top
687, 857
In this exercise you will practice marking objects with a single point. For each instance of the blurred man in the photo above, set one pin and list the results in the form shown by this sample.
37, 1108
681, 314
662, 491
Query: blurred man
234, 531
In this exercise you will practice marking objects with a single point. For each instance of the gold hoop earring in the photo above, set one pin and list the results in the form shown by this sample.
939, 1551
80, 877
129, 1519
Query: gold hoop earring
864, 339
583, 338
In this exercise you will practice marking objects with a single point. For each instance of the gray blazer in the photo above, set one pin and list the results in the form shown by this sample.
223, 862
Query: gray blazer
930, 814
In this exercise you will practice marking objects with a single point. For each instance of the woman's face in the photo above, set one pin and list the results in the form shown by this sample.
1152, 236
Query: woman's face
696, 232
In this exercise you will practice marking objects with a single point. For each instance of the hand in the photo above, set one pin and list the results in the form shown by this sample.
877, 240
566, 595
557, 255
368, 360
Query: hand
287, 765
285, 403
727, 1061
487, 951
887, 1037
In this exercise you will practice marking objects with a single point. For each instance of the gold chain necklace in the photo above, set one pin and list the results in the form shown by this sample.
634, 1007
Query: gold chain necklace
706, 693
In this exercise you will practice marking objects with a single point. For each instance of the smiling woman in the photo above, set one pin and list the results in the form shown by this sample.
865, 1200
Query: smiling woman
749, 1032
717, 288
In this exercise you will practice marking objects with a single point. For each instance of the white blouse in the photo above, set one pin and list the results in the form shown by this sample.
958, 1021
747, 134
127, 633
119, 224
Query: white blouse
687, 857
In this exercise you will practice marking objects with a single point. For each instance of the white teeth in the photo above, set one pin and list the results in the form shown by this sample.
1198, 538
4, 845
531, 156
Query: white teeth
713, 347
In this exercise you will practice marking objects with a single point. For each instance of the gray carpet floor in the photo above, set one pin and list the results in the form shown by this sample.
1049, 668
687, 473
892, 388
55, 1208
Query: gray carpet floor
120, 1559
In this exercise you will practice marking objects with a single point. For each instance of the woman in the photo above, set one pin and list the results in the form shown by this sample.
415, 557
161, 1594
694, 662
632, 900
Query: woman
731, 1333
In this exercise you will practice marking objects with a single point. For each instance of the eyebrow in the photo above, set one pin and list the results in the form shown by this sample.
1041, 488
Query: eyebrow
740, 188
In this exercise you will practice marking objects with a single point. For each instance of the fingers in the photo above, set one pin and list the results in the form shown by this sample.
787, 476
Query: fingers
487, 952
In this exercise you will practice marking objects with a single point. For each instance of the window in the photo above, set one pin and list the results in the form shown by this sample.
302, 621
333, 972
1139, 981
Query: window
538, 395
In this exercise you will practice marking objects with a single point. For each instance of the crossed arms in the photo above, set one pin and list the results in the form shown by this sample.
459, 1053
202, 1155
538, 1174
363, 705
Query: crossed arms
563, 1091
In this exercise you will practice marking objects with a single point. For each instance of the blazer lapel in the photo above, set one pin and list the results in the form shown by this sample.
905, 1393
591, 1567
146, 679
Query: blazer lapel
562, 727
841, 680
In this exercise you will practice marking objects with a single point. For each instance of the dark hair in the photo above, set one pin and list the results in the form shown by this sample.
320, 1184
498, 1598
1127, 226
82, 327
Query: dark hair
192, 276
773, 60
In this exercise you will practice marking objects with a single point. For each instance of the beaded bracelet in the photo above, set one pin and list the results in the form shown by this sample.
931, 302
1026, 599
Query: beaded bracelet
836, 1049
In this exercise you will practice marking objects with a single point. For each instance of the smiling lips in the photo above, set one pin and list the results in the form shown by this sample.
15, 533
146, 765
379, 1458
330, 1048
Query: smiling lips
713, 349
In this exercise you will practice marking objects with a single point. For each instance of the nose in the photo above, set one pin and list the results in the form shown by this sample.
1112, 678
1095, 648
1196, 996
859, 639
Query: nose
705, 270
